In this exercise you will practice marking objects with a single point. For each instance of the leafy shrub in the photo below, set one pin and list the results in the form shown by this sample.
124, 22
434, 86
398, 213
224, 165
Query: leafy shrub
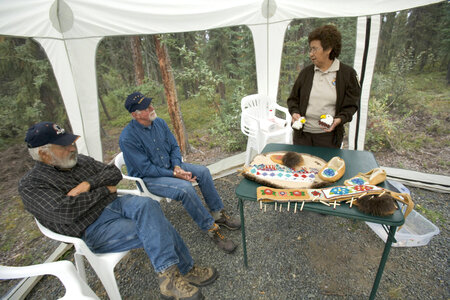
380, 129
227, 129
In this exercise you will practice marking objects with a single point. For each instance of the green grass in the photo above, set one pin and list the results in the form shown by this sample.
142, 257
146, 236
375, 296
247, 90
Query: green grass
429, 92
432, 215
416, 119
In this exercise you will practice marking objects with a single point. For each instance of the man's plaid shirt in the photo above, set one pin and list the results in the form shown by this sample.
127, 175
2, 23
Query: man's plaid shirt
44, 193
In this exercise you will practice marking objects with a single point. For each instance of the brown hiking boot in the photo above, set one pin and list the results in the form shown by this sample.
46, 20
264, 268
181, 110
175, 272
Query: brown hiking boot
201, 276
226, 245
173, 286
223, 219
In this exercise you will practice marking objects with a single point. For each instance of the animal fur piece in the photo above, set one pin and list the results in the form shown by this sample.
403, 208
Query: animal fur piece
383, 205
292, 160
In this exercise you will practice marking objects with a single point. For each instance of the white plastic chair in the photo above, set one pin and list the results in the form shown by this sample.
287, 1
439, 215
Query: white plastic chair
141, 188
76, 288
260, 124
103, 264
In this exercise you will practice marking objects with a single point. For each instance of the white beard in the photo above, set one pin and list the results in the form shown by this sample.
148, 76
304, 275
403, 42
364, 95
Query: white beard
152, 116
67, 163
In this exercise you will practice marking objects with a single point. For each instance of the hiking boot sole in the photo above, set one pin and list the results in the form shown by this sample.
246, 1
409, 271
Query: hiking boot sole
207, 282
195, 297
228, 227
229, 251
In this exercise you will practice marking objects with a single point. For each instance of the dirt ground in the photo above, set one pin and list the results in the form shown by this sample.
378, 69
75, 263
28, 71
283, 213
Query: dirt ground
22, 244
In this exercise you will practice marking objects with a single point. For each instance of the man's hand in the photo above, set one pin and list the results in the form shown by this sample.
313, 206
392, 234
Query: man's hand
182, 174
112, 189
81, 188
336, 122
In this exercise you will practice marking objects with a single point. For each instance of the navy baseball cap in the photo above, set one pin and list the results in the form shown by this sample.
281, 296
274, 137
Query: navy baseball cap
137, 101
44, 133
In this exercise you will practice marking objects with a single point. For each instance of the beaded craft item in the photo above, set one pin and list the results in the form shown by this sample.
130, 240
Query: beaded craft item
267, 169
333, 170
369, 199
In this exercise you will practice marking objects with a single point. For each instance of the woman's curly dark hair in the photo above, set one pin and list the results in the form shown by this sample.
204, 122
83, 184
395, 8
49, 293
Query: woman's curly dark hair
329, 37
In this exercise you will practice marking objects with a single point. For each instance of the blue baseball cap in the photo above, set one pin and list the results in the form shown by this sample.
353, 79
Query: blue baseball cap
44, 133
137, 101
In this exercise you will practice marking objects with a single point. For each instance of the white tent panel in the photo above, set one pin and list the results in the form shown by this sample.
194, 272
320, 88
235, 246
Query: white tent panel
73, 63
365, 91
57, 55
268, 59
295, 9
357, 65
72, 19
358, 126
82, 54
27, 19
148, 17
360, 44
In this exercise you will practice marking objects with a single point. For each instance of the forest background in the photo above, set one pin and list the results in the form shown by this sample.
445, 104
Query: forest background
214, 69
408, 123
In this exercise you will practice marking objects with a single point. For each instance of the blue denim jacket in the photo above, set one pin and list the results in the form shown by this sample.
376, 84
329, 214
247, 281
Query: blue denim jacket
149, 151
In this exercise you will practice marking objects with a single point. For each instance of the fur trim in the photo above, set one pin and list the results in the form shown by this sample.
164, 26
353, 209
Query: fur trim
377, 205
292, 160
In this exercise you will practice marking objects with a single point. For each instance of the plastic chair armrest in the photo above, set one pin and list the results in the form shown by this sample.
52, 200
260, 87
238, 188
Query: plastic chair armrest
138, 180
285, 111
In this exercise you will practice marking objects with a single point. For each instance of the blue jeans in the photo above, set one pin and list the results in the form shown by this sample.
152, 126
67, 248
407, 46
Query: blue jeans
182, 190
131, 222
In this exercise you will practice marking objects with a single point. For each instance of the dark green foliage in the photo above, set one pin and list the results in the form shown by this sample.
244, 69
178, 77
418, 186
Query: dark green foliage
424, 32
29, 92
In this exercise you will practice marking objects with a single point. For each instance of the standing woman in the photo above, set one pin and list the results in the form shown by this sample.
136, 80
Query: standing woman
327, 87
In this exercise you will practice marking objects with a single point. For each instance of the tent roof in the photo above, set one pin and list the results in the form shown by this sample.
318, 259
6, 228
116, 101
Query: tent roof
74, 19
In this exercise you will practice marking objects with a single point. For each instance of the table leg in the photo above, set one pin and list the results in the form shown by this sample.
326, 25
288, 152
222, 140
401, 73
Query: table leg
244, 240
384, 258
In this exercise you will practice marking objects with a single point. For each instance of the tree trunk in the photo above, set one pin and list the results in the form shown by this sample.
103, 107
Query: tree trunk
137, 60
222, 90
171, 95
104, 108
448, 73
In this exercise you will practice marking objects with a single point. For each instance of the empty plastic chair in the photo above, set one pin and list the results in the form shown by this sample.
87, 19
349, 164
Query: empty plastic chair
103, 264
76, 288
260, 123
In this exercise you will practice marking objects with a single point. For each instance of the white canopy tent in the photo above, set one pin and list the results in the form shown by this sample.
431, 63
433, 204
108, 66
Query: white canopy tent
70, 31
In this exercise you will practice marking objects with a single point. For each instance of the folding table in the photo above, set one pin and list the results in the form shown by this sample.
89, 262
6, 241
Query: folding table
355, 162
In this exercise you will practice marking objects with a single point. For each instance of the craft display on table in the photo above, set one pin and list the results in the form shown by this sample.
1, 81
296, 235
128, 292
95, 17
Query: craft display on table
285, 169
333, 170
369, 199
299, 123
326, 120
373, 177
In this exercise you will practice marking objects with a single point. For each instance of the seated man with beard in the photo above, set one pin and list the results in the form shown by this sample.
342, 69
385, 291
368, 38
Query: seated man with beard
75, 195
151, 152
